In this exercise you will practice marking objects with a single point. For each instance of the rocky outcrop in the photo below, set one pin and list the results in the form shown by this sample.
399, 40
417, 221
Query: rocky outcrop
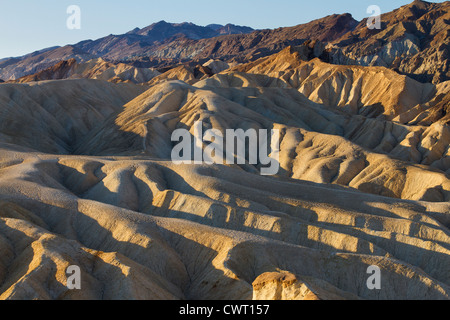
284, 285
87, 177
375, 92
14, 68
217, 66
98, 69
413, 40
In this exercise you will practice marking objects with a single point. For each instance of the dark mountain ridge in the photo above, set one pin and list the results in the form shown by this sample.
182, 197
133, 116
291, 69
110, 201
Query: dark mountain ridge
414, 40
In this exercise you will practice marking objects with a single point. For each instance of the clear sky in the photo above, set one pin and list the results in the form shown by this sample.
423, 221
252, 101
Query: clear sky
30, 25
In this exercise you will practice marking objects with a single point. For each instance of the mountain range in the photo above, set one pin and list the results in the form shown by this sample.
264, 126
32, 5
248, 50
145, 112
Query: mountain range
136, 43
413, 40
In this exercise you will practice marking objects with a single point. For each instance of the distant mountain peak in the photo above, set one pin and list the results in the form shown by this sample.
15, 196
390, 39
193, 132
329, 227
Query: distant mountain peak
134, 31
161, 22
164, 30
234, 29
214, 26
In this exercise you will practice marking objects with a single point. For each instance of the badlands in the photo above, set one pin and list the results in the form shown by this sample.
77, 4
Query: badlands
86, 177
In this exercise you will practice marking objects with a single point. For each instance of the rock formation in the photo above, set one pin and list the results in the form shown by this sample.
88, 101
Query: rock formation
87, 180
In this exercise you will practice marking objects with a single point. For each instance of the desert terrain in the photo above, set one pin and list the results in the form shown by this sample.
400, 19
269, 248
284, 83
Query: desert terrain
86, 176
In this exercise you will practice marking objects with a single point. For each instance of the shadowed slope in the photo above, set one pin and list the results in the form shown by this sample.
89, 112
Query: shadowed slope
205, 233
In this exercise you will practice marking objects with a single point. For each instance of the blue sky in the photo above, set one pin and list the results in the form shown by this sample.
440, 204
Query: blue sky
30, 25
